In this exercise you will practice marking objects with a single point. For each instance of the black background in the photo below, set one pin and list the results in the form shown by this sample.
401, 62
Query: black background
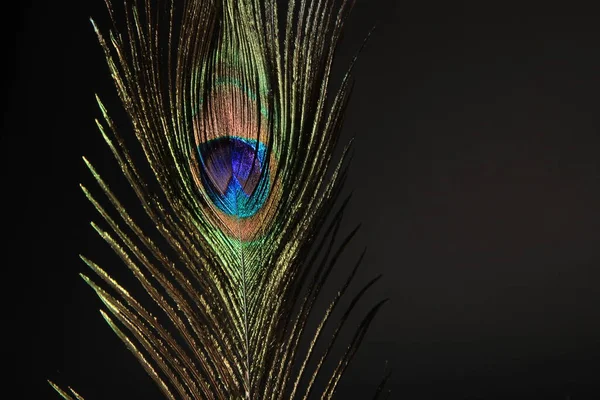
475, 175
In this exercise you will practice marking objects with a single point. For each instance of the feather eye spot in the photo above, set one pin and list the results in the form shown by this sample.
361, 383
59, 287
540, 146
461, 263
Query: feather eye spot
233, 173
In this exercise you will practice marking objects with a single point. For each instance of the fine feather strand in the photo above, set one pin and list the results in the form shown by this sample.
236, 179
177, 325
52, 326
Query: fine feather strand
238, 127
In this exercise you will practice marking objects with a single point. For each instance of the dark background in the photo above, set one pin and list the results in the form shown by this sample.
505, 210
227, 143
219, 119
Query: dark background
475, 175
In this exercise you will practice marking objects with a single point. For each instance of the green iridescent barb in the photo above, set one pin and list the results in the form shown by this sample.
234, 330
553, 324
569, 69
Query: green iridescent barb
230, 103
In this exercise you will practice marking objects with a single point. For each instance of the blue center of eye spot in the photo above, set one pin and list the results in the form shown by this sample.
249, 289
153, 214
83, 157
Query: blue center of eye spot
233, 172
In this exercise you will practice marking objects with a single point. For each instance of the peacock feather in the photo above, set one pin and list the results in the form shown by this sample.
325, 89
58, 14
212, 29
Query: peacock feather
230, 102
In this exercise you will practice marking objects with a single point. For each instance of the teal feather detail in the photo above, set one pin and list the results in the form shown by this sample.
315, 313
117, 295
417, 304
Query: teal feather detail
231, 170
232, 109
